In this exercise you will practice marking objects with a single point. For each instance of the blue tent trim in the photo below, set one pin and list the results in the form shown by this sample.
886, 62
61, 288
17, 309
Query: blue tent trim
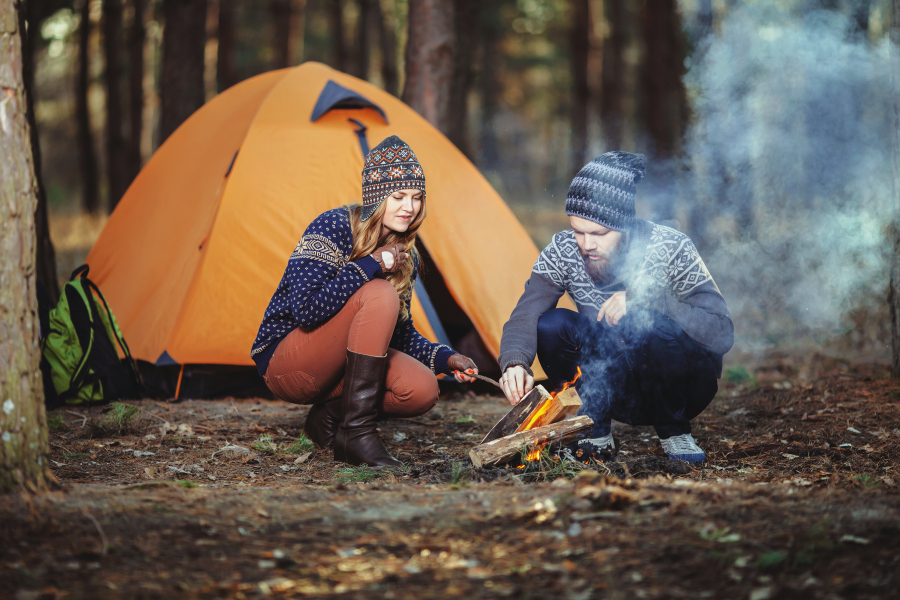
432, 316
336, 96
164, 359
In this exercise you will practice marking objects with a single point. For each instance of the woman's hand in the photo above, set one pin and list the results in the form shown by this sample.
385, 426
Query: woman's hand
516, 383
460, 365
390, 257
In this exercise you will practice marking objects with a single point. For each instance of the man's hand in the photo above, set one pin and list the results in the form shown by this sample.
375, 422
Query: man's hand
613, 309
461, 365
516, 383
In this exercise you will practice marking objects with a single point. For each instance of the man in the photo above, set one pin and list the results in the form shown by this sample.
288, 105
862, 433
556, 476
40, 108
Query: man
651, 326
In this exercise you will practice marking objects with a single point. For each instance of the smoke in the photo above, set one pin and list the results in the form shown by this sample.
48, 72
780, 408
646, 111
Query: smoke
786, 180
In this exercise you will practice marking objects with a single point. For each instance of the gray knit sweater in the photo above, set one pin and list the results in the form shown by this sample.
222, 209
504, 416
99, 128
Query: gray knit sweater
662, 271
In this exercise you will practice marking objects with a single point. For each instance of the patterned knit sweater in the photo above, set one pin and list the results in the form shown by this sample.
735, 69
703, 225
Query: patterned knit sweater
318, 282
661, 271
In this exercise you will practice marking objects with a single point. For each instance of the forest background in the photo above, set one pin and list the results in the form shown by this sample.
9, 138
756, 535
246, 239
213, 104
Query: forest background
766, 123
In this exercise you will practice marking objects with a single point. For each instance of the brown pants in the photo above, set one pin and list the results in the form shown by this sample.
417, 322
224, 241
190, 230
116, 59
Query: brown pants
308, 364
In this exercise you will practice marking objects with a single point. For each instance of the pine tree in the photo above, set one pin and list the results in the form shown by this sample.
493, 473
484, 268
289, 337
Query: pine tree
23, 426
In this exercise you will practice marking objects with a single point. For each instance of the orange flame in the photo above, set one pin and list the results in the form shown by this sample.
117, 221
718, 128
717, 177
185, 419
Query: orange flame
541, 411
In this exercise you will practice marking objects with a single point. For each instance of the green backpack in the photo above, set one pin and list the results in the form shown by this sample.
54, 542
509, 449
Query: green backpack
79, 349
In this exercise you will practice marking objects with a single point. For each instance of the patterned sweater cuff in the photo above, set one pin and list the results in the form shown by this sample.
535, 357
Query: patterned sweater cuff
369, 266
439, 358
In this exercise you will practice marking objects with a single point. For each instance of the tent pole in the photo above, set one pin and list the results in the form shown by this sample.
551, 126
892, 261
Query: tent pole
178, 385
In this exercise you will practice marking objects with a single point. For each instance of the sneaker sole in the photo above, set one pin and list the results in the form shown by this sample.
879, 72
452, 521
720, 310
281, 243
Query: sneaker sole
689, 458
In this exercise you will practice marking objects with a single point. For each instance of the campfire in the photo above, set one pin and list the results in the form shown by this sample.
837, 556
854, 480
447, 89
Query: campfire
559, 403
538, 421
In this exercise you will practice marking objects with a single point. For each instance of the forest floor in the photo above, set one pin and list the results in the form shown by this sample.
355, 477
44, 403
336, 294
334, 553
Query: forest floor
800, 498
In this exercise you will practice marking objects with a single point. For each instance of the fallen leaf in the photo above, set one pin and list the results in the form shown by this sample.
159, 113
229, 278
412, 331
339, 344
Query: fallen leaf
761, 593
852, 539
302, 458
230, 448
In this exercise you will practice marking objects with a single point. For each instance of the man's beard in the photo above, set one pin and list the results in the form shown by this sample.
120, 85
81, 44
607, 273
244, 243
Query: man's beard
603, 270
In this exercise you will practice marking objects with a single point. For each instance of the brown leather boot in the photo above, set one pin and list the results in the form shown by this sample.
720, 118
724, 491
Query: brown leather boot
356, 441
322, 423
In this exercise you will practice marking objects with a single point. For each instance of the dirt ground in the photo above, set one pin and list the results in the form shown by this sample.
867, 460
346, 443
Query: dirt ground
800, 498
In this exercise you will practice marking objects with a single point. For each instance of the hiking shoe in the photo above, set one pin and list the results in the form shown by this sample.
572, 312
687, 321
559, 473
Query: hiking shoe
599, 449
604, 442
683, 447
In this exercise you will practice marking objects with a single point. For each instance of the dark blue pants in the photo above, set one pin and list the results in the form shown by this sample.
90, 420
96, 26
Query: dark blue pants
643, 371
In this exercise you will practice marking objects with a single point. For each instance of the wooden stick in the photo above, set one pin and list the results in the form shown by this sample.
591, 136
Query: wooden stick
505, 449
483, 378
564, 404
517, 414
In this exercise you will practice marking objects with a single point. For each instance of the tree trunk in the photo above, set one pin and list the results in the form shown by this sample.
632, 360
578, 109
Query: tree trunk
363, 23
490, 37
613, 75
388, 43
136, 90
581, 91
664, 99
46, 256
23, 421
430, 61
860, 13
464, 19
225, 73
339, 55
87, 155
184, 43
281, 40
116, 159
698, 210
894, 292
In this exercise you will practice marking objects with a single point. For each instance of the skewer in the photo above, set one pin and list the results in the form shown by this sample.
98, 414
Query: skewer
483, 378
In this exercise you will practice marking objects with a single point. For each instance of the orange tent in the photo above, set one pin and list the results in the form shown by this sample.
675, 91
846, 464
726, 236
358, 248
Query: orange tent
193, 252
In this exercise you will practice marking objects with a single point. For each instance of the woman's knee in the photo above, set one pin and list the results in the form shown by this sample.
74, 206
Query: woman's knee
413, 393
378, 294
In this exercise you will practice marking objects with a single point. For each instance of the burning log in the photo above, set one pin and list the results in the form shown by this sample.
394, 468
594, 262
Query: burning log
518, 414
562, 405
505, 449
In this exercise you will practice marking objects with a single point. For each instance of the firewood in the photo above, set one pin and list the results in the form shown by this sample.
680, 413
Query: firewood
517, 414
565, 404
504, 449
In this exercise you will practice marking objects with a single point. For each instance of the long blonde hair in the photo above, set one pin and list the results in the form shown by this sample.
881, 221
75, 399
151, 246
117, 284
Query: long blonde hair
367, 237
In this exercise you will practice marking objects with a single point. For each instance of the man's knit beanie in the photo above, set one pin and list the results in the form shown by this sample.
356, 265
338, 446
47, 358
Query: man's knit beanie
390, 166
604, 189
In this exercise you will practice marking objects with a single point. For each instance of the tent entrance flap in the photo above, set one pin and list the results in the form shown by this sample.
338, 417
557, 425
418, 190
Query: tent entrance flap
336, 96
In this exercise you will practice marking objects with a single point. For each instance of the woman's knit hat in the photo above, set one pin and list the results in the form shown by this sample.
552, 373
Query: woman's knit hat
390, 166
603, 190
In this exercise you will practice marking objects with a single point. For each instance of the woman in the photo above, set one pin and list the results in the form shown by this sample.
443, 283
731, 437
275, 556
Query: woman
337, 333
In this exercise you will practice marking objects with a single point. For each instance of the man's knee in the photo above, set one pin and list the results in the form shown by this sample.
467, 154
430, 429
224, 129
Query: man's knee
649, 323
556, 323
378, 294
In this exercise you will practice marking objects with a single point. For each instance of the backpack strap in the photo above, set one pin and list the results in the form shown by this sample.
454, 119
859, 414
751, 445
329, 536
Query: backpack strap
81, 271
82, 320
89, 285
